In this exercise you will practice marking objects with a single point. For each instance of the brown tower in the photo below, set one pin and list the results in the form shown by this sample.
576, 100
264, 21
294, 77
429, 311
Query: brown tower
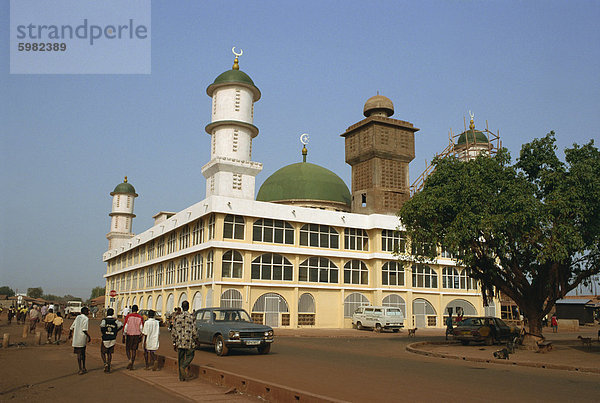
379, 149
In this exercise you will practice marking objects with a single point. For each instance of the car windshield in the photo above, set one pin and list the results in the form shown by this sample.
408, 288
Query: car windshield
233, 315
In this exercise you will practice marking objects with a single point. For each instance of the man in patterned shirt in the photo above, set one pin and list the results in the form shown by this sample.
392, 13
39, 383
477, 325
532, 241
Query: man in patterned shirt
184, 333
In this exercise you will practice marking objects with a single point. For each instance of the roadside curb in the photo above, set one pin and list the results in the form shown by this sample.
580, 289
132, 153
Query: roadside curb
245, 385
414, 348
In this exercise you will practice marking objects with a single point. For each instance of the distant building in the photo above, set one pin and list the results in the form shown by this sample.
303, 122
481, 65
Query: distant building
307, 251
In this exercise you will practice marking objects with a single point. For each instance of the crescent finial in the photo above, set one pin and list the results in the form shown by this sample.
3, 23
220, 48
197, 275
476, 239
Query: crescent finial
304, 138
235, 53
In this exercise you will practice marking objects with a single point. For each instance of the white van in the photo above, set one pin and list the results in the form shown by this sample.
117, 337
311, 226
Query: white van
378, 317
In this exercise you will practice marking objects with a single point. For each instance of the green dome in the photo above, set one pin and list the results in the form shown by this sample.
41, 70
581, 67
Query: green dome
304, 181
475, 136
234, 76
124, 187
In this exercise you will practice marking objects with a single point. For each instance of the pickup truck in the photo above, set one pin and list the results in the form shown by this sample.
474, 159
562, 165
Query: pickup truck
73, 309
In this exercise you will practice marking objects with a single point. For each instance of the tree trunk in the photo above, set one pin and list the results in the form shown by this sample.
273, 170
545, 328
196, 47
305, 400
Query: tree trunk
534, 326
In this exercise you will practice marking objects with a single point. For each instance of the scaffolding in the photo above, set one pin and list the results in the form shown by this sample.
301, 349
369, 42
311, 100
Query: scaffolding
464, 151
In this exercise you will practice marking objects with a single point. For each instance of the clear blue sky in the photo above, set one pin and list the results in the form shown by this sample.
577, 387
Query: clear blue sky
68, 140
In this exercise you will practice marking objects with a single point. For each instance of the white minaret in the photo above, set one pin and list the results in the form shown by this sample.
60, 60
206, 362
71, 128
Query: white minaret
231, 171
121, 221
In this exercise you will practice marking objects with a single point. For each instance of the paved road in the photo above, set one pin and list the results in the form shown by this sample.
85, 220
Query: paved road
379, 369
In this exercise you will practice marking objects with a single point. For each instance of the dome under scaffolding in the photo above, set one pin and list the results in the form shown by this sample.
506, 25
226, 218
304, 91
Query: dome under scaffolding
465, 146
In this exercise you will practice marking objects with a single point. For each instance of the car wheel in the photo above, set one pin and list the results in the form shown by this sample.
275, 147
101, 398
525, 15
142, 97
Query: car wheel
378, 328
220, 347
464, 342
264, 349
359, 326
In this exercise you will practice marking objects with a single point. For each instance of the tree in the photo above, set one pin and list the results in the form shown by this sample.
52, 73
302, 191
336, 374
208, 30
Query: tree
530, 230
6, 290
36, 292
97, 292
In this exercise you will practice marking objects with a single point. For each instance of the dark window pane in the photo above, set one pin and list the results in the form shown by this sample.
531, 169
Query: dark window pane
257, 233
255, 271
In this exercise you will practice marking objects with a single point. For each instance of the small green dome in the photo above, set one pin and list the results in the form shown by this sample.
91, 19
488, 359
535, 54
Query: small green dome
234, 76
304, 181
474, 136
124, 187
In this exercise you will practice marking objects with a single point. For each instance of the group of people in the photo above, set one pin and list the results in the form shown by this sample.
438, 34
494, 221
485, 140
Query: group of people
53, 322
135, 331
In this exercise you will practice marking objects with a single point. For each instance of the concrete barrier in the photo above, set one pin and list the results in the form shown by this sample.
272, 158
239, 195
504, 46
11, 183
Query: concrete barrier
6, 340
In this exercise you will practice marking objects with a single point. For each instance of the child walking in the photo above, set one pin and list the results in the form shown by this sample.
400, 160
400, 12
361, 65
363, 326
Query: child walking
150, 332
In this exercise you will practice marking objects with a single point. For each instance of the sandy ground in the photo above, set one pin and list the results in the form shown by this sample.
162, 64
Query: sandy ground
345, 364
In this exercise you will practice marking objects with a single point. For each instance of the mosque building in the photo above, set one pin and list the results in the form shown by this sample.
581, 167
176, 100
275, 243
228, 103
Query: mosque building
307, 251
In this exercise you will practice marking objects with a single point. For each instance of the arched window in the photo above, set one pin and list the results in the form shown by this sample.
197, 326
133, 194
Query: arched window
170, 275
170, 303
134, 282
450, 278
149, 302
276, 231
172, 243
209, 298
460, 306
209, 265
395, 301
271, 306
134, 301
159, 304
159, 275
353, 302
184, 237
423, 313
150, 250
306, 310
182, 270
320, 236
423, 276
197, 301
231, 299
356, 272
356, 239
197, 267
272, 267
160, 248
233, 227
466, 282
318, 270
232, 264
392, 273
182, 297
198, 232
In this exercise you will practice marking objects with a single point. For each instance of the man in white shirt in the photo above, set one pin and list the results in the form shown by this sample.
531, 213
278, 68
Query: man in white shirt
151, 332
79, 332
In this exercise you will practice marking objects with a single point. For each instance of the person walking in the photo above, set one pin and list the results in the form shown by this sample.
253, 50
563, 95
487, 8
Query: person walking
49, 323
80, 335
133, 334
183, 335
151, 332
109, 327
58, 327
554, 323
34, 318
449, 326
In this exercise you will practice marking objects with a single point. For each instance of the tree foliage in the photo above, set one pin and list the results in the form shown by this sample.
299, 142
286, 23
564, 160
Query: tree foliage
35, 292
97, 292
6, 290
530, 230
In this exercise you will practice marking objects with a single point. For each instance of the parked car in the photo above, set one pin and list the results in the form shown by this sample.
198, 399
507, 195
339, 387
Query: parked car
144, 314
73, 308
488, 329
226, 328
378, 318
